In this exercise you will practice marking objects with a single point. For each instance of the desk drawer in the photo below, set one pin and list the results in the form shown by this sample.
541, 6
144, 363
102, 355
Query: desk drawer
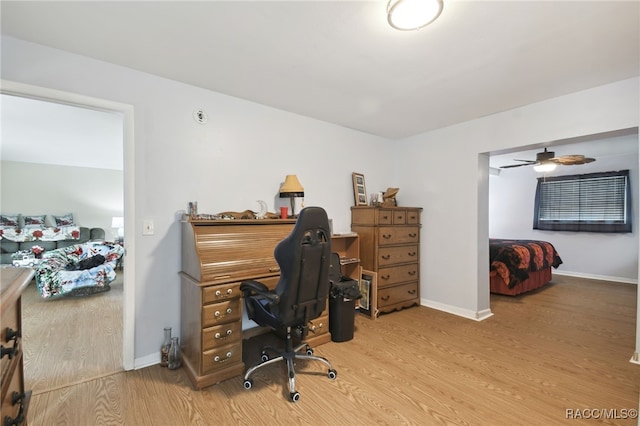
395, 255
388, 235
319, 326
397, 274
222, 357
221, 335
395, 294
220, 292
221, 313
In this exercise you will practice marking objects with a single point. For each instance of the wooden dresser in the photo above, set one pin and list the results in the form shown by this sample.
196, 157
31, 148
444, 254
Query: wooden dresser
390, 246
217, 255
15, 400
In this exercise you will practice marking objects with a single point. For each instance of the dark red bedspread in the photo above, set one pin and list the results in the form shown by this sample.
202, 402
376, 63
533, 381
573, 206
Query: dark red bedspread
513, 259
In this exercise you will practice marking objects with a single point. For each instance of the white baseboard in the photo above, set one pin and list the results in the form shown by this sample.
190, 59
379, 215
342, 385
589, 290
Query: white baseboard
147, 361
596, 277
465, 313
635, 359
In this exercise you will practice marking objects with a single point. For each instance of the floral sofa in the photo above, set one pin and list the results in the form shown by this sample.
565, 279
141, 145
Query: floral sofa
20, 233
69, 271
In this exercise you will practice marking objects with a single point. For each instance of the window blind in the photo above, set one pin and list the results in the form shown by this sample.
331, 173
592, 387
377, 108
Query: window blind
596, 202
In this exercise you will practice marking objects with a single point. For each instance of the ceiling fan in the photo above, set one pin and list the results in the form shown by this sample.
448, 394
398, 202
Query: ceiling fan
548, 158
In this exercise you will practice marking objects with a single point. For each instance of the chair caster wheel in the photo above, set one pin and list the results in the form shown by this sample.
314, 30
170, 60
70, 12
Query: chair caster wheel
248, 384
309, 350
264, 357
332, 374
295, 396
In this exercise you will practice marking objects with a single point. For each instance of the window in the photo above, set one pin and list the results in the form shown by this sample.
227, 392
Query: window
594, 202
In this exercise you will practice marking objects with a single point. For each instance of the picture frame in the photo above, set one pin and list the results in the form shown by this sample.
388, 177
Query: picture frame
368, 303
359, 189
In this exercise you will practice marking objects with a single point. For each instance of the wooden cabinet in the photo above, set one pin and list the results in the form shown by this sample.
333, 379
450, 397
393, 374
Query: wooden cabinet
348, 247
15, 400
217, 255
390, 246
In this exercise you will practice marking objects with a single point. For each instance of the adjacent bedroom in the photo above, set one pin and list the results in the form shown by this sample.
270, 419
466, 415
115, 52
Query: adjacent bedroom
564, 213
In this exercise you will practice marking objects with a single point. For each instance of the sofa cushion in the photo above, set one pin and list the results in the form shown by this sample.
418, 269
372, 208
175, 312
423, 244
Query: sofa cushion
9, 221
64, 220
34, 221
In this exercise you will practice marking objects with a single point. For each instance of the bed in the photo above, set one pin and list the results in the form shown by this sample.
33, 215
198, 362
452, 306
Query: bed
520, 266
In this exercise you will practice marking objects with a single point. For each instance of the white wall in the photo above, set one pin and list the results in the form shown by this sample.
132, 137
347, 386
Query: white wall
445, 171
240, 156
94, 196
589, 254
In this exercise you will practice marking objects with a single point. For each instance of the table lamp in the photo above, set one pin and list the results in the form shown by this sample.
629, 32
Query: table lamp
291, 189
117, 222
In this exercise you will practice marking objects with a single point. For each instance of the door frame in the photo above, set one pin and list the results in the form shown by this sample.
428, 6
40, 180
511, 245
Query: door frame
68, 98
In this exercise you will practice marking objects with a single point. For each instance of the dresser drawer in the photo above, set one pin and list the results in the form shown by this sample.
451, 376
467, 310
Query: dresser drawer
385, 216
220, 292
11, 408
396, 294
395, 255
222, 357
221, 335
397, 274
413, 217
399, 217
222, 312
388, 235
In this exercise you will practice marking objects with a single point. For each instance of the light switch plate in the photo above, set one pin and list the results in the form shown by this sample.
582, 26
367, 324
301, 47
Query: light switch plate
147, 227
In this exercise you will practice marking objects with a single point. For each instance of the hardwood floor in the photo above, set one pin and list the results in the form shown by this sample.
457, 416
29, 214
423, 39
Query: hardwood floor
73, 339
564, 347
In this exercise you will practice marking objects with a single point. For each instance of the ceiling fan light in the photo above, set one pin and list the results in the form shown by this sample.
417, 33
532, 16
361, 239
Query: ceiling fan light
545, 167
407, 15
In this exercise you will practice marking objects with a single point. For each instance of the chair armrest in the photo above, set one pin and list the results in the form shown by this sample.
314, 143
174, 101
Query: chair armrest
256, 287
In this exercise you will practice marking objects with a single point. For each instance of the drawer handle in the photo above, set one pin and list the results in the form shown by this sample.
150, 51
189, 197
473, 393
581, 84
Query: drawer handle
19, 419
9, 351
274, 269
386, 256
228, 293
385, 277
217, 358
11, 334
412, 291
386, 236
400, 217
412, 273
384, 298
385, 217
217, 314
219, 336
413, 253
413, 235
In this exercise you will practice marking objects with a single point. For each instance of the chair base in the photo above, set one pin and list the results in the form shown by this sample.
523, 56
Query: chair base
290, 355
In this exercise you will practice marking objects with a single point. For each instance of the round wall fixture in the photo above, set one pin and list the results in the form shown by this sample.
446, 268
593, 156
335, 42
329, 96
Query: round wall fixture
200, 116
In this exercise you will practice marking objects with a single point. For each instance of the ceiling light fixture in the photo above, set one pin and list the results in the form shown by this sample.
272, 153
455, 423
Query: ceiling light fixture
407, 15
548, 166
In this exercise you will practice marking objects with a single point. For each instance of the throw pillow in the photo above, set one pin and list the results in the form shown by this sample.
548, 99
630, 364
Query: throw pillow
64, 220
9, 221
36, 221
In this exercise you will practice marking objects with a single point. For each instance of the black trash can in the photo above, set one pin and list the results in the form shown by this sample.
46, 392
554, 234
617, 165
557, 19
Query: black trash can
342, 309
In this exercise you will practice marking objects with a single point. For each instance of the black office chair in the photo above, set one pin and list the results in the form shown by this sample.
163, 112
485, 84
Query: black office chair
300, 295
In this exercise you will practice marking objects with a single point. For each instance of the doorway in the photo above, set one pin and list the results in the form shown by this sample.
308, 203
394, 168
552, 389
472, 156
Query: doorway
127, 274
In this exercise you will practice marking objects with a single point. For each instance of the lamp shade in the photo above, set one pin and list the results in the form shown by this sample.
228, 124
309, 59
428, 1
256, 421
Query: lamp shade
291, 187
117, 222
412, 14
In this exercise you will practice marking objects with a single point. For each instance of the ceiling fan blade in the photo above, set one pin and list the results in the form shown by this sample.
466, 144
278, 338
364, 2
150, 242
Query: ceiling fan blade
517, 165
569, 160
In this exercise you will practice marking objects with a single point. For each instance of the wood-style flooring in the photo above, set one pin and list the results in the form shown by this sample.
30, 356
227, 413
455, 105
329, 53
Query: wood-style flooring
73, 339
564, 347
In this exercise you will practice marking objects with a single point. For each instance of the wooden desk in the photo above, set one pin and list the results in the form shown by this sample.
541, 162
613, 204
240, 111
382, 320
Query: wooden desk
15, 401
217, 255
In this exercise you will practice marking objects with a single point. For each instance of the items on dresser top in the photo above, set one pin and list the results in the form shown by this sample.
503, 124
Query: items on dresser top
390, 246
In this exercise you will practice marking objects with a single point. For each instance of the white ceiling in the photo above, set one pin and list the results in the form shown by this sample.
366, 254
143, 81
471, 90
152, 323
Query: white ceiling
40, 132
340, 62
